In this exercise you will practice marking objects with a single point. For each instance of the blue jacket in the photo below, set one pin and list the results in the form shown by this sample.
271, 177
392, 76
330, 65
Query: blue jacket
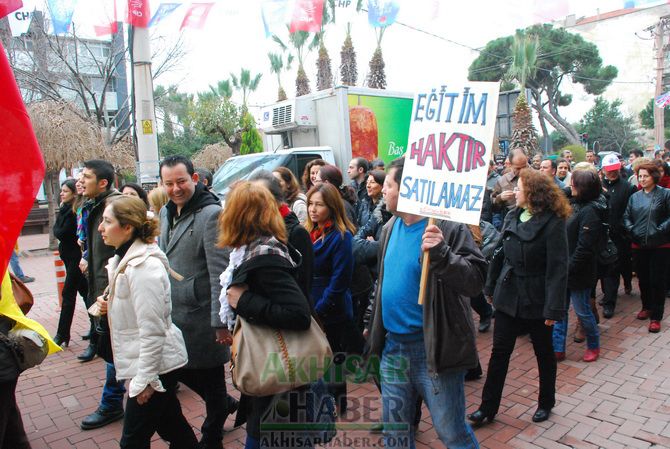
333, 267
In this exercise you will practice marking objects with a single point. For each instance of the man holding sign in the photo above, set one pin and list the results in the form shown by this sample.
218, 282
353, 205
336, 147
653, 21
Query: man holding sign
422, 325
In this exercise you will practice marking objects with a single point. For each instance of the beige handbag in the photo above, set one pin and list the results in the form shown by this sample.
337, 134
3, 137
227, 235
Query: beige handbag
267, 361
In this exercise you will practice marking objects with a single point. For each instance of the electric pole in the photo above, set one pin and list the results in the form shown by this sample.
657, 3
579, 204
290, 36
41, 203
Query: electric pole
659, 113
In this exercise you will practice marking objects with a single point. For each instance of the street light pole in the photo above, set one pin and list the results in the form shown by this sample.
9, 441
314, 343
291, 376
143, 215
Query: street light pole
144, 117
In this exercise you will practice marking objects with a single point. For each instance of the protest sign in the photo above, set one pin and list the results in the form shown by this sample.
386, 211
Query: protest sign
448, 152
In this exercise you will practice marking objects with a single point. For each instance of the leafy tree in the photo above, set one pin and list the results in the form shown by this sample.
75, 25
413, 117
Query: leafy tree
219, 119
245, 83
609, 127
647, 116
251, 138
348, 70
565, 56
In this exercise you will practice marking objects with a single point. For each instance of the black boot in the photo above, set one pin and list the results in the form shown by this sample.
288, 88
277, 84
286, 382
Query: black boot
88, 354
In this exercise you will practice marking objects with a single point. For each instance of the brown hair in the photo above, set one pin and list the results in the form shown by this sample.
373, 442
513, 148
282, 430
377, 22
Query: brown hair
306, 181
335, 204
250, 213
652, 169
587, 184
157, 199
130, 210
292, 188
333, 175
542, 193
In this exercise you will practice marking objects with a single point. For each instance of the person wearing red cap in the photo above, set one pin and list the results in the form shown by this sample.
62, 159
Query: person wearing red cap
618, 193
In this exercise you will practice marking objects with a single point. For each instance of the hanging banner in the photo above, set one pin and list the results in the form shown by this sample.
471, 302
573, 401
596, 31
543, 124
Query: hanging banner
61, 12
196, 16
138, 13
382, 13
104, 29
19, 20
627, 4
307, 16
9, 6
345, 10
275, 16
449, 148
21, 176
164, 10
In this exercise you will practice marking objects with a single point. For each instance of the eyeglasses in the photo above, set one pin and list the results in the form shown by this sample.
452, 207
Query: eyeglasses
516, 190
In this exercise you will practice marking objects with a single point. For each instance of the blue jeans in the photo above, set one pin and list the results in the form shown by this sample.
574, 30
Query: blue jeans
580, 302
404, 376
113, 391
16, 268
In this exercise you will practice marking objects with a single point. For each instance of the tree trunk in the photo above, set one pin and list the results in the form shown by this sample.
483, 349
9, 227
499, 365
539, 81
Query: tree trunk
558, 127
51, 188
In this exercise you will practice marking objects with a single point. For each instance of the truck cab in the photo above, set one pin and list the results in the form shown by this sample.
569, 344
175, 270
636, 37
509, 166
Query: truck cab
241, 167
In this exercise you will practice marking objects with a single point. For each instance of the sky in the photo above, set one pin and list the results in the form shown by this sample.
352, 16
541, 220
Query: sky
436, 47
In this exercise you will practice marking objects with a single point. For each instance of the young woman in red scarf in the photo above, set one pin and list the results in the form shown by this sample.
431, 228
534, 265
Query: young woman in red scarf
332, 232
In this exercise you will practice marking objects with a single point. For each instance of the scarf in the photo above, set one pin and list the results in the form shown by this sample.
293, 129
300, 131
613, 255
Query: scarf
319, 232
284, 210
226, 313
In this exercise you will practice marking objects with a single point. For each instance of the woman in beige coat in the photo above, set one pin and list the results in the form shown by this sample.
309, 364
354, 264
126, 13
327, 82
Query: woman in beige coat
148, 348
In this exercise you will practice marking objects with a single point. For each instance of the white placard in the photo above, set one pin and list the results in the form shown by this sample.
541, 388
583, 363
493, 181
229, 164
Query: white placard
448, 152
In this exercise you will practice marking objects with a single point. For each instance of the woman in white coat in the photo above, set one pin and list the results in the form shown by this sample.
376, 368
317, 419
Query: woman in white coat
148, 348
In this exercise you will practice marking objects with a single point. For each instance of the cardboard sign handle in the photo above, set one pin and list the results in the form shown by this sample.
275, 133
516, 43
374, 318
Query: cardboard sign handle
425, 264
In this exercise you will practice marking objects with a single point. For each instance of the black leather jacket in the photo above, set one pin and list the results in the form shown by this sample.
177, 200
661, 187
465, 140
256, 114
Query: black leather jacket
647, 217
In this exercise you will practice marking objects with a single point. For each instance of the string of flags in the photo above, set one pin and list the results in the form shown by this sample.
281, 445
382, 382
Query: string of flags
662, 100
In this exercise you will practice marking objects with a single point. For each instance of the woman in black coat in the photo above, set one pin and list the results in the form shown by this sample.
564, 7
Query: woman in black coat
65, 230
259, 284
586, 235
647, 221
528, 281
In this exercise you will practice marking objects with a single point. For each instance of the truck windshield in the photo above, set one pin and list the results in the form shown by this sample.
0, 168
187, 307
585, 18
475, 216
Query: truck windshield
241, 167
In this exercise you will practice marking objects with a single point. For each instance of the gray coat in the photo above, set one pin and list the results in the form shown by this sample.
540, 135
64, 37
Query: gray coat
192, 252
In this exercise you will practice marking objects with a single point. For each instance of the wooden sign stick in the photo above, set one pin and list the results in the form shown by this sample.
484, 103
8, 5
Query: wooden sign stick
425, 265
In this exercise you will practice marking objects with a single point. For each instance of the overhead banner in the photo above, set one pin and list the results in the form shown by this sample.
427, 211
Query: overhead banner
196, 16
19, 20
382, 13
163, 11
61, 14
138, 13
8, 6
307, 16
449, 148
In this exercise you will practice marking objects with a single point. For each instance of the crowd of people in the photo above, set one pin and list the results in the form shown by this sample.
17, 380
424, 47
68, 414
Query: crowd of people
165, 274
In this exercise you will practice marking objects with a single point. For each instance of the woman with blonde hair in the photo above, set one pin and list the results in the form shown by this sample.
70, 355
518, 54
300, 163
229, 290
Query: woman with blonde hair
157, 199
148, 347
528, 281
259, 283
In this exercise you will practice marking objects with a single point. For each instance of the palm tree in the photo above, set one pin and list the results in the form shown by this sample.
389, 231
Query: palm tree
348, 70
324, 74
377, 75
277, 66
524, 58
245, 83
298, 40
223, 89
524, 65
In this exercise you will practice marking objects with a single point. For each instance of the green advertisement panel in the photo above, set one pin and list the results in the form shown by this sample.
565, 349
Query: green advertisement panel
379, 126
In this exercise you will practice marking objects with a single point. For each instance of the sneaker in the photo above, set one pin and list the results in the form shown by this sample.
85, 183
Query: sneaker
27, 279
591, 355
643, 314
654, 326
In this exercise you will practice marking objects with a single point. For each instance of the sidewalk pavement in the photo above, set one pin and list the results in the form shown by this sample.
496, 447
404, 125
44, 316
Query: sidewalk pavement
620, 401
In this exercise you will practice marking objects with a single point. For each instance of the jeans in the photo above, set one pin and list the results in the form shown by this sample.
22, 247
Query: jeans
505, 332
162, 414
113, 391
404, 377
16, 268
580, 300
651, 265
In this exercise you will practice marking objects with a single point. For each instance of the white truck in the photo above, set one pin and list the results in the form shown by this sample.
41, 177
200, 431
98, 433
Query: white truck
335, 125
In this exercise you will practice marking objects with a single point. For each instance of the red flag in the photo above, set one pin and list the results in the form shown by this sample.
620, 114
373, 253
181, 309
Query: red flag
20, 177
9, 6
307, 16
108, 28
138, 13
196, 15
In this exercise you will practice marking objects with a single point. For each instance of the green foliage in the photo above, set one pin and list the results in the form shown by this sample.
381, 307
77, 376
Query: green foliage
609, 127
245, 83
558, 140
524, 58
647, 117
578, 152
251, 138
564, 56
219, 119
